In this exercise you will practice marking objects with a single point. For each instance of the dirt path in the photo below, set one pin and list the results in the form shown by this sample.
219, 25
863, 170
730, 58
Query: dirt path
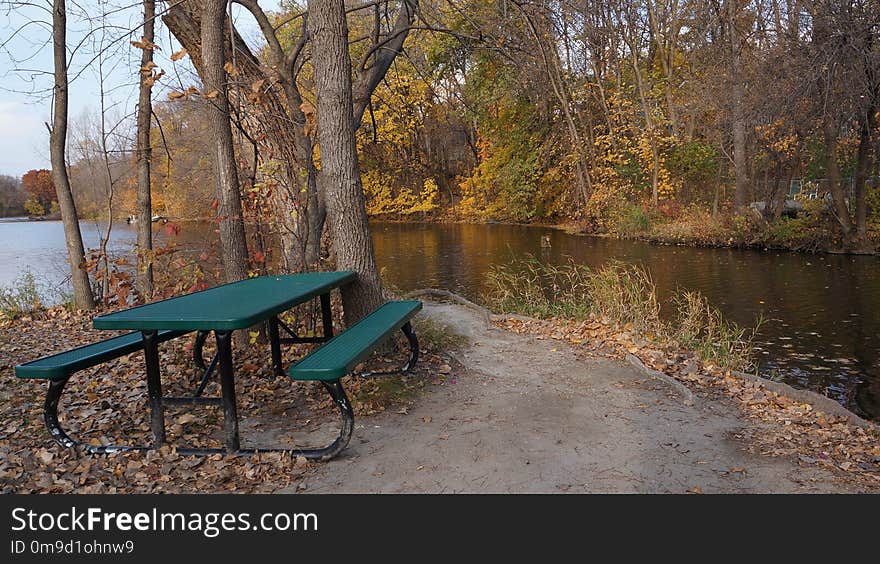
529, 415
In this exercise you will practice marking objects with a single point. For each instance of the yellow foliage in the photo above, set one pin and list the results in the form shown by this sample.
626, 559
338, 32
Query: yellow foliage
478, 189
666, 185
778, 138
381, 200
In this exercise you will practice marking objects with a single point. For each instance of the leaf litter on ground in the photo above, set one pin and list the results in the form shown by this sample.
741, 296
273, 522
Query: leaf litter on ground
107, 404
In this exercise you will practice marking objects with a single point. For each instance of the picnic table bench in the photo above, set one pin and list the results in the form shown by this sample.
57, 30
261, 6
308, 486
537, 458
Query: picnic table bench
221, 310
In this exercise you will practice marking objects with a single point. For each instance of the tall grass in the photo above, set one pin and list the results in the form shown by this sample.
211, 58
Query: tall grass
624, 295
537, 289
701, 327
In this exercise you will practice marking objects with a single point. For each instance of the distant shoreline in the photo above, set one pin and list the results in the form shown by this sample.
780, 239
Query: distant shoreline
23, 218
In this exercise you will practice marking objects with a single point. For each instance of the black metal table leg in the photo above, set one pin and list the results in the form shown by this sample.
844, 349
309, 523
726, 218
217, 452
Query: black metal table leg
275, 342
198, 346
327, 316
227, 387
154, 387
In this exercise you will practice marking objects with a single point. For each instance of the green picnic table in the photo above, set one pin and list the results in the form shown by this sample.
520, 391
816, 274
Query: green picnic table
222, 310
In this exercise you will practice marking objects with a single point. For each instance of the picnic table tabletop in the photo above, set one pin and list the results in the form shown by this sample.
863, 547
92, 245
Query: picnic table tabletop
237, 305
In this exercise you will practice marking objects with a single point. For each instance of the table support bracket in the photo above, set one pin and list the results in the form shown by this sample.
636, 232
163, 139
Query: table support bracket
56, 388
413, 341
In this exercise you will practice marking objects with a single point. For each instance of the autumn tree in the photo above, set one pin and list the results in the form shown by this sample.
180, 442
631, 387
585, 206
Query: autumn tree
82, 291
40, 190
274, 107
143, 149
340, 174
844, 50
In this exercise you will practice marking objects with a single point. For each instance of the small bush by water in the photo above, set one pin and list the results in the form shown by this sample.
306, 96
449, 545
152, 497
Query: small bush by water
626, 296
20, 297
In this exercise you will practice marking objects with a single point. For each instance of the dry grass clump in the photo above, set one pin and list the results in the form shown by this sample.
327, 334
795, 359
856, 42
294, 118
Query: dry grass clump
625, 295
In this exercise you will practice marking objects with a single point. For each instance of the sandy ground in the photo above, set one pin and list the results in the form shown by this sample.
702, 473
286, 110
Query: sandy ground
527, 415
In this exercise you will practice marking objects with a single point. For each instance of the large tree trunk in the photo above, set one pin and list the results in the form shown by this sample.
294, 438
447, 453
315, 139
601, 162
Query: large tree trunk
144, 156
340, 174
232, 235
82, 290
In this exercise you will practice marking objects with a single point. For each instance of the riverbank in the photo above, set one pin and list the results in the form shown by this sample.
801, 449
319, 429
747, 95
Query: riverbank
813, 231
47, 217
510, 404
749, 231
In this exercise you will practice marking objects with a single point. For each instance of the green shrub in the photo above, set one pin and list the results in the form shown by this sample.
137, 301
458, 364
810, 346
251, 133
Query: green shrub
809, 231
625, 294
693, 161
531, 287
634, 220
747, 227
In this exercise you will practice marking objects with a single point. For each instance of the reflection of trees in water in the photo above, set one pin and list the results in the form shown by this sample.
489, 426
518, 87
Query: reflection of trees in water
864, 337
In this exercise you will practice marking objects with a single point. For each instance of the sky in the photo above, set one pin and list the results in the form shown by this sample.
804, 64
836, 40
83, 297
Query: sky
26, 66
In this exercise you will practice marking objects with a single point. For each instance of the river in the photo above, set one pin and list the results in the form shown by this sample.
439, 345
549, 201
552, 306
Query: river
821, 331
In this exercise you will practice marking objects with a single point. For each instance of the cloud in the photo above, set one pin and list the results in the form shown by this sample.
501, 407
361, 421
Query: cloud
24, 140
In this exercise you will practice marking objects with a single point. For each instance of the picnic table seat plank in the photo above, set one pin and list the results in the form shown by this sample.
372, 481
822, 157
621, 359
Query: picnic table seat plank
62, 365
339, 356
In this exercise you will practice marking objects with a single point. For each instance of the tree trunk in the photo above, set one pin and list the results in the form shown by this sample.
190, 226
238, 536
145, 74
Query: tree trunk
652, 131
82, 290
144, 156
232, 235
271, 118
108, 170
737, 94
340, 176
317, 216
837, 192
863, 165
